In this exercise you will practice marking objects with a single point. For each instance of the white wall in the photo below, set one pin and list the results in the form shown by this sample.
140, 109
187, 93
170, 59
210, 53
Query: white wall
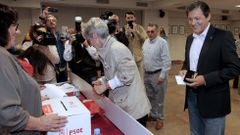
176, 42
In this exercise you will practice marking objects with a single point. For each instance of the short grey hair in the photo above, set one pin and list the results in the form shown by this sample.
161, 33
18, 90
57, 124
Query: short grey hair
152, 25
95, 24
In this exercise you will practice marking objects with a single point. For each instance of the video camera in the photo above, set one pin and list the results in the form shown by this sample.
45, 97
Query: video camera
41, 36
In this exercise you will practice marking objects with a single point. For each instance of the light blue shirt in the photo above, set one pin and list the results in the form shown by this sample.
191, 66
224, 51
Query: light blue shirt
156, 56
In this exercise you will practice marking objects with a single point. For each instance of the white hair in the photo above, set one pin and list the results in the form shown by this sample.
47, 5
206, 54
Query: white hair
97, 25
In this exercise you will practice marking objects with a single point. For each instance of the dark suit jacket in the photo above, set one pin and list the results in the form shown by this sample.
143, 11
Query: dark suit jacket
218, 63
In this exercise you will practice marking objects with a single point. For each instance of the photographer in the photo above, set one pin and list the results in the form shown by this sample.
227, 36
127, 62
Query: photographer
136, 36
42, 55
45, 11
61, 66
80, 56
114, 29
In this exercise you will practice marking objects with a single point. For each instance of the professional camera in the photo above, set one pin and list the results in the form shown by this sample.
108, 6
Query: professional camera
41, 36
112, 25
106, 15
79, 37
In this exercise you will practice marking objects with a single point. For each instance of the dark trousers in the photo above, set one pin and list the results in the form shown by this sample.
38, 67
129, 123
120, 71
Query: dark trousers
143, 120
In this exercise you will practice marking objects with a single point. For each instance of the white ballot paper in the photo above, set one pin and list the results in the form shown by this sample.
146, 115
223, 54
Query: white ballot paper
52, 91
179, 80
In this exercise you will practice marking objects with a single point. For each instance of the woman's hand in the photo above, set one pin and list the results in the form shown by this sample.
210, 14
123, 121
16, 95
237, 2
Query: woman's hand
52, 122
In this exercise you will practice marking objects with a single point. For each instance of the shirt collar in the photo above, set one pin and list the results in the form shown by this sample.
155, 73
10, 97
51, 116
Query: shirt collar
153, 41
203, 34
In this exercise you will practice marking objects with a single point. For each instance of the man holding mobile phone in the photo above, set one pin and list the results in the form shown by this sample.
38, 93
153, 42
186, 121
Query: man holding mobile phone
136, 36
211, 53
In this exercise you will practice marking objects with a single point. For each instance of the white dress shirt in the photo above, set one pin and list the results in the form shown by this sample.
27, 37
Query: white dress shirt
196, 48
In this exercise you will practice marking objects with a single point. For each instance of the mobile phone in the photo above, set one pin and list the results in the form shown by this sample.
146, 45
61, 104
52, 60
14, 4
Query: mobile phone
190, 74
130, 23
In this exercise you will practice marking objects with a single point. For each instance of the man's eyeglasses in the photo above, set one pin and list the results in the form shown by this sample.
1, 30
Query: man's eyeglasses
150, 31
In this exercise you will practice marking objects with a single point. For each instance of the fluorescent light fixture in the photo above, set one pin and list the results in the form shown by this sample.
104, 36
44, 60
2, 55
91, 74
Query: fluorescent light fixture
238, 6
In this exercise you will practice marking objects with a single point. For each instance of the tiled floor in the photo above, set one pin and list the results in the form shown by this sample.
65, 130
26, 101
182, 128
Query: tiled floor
176, 120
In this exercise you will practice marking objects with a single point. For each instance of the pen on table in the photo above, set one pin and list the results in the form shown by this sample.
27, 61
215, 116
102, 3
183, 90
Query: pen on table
63, 105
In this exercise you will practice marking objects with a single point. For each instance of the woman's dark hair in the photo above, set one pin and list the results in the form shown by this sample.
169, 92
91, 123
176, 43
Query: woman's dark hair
8, 16
36, 58
199, 4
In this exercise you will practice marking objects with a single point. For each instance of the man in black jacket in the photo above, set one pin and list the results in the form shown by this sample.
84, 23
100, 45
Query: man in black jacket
211, 53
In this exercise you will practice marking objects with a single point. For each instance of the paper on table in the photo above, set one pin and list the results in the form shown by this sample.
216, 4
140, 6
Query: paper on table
179, 80
67, 88
52, 91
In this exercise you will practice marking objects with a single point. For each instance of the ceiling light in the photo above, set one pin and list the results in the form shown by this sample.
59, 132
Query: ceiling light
237, 6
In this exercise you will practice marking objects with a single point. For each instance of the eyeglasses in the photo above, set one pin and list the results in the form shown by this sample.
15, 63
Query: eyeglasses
16, 26
150, 31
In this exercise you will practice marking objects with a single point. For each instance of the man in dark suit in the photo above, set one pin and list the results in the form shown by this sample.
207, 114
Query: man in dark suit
211, 53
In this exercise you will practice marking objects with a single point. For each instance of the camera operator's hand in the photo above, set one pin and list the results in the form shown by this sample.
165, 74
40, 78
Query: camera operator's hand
86, 44
44, 14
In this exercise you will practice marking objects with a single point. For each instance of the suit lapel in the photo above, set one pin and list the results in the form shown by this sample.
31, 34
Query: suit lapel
206, 45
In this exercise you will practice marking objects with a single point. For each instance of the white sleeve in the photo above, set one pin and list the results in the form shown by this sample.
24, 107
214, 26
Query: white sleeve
115, 82
93, 52
67, 54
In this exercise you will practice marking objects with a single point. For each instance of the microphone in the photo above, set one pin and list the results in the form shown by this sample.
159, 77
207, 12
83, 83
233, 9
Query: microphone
78, 20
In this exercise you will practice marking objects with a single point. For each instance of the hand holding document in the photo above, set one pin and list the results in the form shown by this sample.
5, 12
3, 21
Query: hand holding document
179, 80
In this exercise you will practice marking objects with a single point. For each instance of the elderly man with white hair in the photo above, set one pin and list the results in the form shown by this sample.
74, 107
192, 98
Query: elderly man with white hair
121, 73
